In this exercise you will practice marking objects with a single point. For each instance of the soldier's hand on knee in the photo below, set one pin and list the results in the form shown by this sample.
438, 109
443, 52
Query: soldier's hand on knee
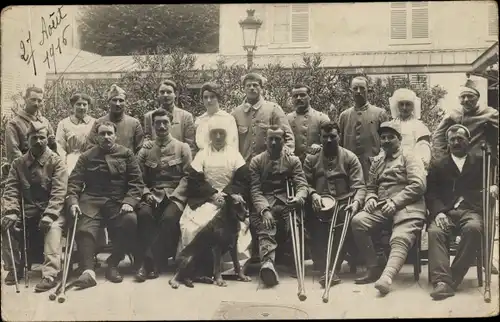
267, 219
45, 223
126, 208
315, 148
370, 205
317, 203
442, 221
150, 200
389, 208
8, 221
494, 191
75, 211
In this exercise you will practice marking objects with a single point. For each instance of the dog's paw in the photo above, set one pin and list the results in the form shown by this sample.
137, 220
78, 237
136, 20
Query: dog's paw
244, 278
174, 283
220, 282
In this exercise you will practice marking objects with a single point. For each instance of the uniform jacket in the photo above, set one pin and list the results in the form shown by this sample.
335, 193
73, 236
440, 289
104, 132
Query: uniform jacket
306, 129
128, 132
446, 184
16, 133
253, 123
338, 177
114, 176
42, 183
182, 127
482, 125
359, 132
402, 179
267, 180
164, 169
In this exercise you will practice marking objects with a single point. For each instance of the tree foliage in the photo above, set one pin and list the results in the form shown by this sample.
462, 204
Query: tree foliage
124, 29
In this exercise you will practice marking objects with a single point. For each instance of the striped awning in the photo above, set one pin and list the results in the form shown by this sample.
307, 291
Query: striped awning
394, 62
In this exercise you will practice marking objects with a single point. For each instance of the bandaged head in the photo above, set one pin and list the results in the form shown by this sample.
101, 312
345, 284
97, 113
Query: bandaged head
469, 87
116, 91
459, 130
401, 95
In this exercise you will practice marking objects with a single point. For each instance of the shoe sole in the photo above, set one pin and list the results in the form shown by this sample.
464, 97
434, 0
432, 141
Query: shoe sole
441, 296
268, 277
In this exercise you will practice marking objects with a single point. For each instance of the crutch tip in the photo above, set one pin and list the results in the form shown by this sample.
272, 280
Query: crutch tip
61, 299
325, 300
302, 297
18, 291
52, 297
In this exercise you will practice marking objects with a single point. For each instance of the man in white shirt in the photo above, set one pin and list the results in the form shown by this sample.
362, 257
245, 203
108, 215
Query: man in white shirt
454, 200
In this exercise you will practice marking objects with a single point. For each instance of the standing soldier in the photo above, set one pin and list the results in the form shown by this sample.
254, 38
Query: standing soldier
128, 129
359, 125
16, 131
269, 171
481, 121
113, 185
164, 169
182, 124
255, 116
306, 122
43, 178
336, 172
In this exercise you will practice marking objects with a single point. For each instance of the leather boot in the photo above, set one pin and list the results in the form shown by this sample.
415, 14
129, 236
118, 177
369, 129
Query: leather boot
141, 274
372, 274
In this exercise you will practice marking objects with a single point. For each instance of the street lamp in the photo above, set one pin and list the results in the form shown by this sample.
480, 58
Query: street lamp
250, 27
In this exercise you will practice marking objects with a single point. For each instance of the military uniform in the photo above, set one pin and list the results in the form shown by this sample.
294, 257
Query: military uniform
129, 132
164, 172
306, 127
253, 121
110, 180
41, 182
16, 133
337, 177
358, 132
182, 127
268, 190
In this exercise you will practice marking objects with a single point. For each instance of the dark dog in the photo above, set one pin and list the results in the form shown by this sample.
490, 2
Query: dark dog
219, 236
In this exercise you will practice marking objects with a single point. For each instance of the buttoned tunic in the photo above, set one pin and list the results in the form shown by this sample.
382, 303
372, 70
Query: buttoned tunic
253, 121
306, 129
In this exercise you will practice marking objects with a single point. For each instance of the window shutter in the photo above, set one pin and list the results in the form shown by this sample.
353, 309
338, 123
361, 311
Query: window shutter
281, 26
398, 20
419, 20
418, 81
300, 23
492, 19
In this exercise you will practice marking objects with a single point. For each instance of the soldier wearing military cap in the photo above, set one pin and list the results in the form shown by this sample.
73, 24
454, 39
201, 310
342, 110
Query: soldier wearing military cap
305, 122
481, 121
38, 178
16, 130
269, 171
129, 131
454, 197
394, 193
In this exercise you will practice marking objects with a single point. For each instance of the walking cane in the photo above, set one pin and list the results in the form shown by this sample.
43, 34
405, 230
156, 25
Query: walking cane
25, 246
13, 261
298, 249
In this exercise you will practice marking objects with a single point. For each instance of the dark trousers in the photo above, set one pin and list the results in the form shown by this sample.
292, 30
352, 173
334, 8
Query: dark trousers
159, 231
469, 225
122, 230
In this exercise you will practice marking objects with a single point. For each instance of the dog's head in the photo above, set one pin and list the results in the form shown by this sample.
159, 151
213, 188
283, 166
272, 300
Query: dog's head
237, 207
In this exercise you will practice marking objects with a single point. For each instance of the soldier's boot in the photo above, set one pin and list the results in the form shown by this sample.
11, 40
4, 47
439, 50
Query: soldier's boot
335, 280
45, 284
10, 280
268, 274
86, 280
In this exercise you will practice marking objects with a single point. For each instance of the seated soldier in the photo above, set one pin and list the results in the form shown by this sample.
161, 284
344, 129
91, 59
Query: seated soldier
269, 171
164, 169
113, 185
43, 178
394, 194
336, 172
454, 200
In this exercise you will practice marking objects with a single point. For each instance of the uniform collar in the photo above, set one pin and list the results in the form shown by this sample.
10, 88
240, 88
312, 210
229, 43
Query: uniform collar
362, 108
28, 117
255, 107
394, 156
303, 112
75, 120
41, 160
165, 142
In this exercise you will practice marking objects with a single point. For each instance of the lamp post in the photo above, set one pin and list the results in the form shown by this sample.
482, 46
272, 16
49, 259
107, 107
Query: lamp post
250, 27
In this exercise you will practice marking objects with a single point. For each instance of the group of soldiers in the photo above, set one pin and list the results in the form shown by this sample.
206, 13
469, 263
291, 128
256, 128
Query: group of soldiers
111, 173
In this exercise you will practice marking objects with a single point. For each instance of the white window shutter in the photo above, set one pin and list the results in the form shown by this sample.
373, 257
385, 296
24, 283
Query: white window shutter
418, 81
492, 19
398, 20
300, 23
281, 24
419, 20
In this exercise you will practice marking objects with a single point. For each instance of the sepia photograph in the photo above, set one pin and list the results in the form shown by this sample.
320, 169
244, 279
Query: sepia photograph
249, 161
